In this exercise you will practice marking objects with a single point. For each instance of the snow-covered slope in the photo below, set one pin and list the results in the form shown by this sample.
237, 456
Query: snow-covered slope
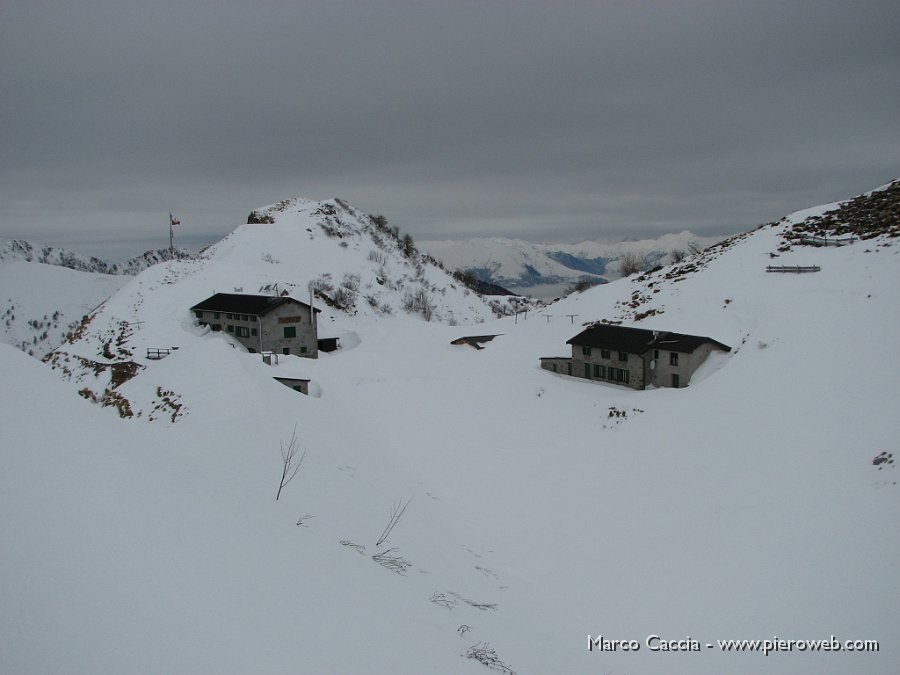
40, 304
758, 502
522, 265
20, 250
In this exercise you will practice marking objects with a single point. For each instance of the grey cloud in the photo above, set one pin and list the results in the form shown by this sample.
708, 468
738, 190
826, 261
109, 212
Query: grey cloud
530, 119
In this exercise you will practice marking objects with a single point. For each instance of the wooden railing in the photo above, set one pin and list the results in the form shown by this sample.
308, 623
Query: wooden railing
795, 269
814, 240
157, 354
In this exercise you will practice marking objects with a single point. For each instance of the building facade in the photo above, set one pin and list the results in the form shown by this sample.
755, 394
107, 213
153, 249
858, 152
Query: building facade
262, 323
634, 357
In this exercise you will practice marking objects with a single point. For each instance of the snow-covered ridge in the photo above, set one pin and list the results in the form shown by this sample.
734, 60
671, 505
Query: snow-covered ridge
40, 304
26, 251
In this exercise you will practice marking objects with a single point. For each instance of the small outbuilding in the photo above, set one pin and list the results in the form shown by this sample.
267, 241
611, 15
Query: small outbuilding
634, 357
295, 383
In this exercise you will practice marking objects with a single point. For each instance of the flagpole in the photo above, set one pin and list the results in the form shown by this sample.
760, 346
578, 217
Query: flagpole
171, 239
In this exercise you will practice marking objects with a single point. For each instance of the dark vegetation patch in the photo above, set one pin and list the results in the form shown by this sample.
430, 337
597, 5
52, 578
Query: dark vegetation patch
866, 217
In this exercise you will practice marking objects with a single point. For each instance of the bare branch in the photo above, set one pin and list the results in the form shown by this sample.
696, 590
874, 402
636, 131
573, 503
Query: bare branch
391, 561
397, 511
290, 462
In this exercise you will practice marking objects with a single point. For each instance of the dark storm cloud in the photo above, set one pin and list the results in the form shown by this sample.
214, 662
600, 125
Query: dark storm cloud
532, 119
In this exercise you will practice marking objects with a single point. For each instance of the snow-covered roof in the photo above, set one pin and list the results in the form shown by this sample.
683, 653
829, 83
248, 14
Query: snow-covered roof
241, 303
639, 340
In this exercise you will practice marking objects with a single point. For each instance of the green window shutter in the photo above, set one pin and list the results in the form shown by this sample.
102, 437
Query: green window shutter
290, 331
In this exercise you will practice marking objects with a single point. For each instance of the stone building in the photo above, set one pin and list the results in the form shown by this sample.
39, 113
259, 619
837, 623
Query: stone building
634, 357
262, 323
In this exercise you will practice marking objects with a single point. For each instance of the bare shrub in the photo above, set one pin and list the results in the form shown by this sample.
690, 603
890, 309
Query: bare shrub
407, 245
321, 284
630, 263
397, 511
291, 461
581, 285
392, 561
678, 255
343, 299
419, 301
359, 548
486, 656
350, 282
378, 257
694, 247
442, 600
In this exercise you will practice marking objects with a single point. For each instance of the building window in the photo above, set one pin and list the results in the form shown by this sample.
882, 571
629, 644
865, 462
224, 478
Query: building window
600, 372
587, 370
229, 328
198, 314
623, 356
244, 317
229, 316
285, 350
569, 368
242, 331
676, 381
618, 375
673, 358
216, 327
254, 317
290, 331
656, 354
253, 331
585, 350
604, 353
217, 315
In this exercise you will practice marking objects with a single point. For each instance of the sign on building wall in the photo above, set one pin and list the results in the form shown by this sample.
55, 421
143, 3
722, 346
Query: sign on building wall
290, 319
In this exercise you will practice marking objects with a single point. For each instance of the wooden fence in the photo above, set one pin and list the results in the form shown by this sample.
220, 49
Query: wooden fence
813, 240
157, 354
794, 269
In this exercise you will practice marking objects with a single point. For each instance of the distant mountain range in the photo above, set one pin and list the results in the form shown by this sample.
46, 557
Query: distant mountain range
520, 265
26, 251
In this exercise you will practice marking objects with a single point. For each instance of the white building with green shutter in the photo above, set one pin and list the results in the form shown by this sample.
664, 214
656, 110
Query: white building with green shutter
262, 323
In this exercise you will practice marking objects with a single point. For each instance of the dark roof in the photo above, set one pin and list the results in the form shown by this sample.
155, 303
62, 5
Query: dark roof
240, 303
639, 340
474, 340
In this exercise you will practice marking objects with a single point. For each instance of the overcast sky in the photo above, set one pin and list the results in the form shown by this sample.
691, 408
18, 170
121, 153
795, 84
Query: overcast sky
551, 121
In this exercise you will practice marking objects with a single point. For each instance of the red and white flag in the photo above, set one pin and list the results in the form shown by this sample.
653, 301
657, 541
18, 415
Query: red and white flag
173, 220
